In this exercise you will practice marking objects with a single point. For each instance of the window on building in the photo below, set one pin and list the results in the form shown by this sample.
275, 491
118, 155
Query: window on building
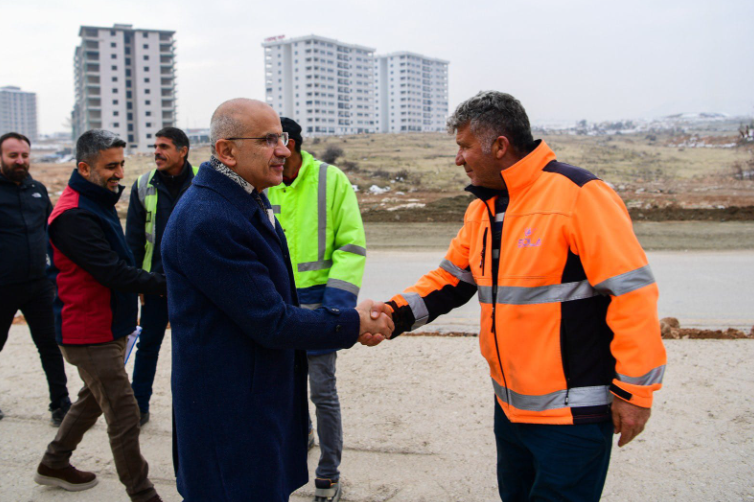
147, 102
128, 51
130, 116
114, 68
149, 136
115, 90
147, 91
148, 114
146, 80
115, 79
145, 36
146, 57
113, 56
129, 106
113, 44
116, 113
128, 72
149, 124
115, 101
128, 61
116, 124
146, 68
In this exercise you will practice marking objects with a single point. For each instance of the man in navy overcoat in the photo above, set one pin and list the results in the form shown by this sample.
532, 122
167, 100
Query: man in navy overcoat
238, 336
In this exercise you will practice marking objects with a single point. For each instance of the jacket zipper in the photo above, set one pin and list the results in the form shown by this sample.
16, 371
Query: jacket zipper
484, 249
494, 296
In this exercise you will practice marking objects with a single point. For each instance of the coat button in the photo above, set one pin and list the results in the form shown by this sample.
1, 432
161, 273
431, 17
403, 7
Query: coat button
337, 328
335, 311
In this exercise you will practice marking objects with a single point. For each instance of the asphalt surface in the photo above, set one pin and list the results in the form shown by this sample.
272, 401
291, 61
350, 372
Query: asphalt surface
706, 290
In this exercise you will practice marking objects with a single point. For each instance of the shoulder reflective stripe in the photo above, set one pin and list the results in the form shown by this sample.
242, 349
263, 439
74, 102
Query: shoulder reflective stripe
311, 306
499, 217
485, 294
653, 377
457, 272
495, 254
513, 295
150, 237
625, 283
598, 395
353, 248
345, 286
276, 208
418, 308
322, 211
314, 265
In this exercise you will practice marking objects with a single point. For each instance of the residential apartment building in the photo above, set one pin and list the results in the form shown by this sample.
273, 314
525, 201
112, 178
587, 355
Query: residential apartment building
18, 112
125, 82
412, 93
325, 85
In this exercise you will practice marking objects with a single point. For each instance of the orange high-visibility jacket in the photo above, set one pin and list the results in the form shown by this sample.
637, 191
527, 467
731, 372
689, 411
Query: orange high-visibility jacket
569, 318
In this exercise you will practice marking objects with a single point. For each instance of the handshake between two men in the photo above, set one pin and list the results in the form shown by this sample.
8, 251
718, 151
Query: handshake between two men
375, 322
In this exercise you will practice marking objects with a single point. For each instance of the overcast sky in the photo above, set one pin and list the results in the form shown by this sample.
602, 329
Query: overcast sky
565, 60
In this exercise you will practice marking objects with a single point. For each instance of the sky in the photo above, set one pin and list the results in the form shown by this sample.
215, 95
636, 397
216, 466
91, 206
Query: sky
564, 60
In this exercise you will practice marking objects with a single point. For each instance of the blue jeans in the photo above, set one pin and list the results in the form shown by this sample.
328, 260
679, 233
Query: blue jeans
324, 395
154, 320
551, 462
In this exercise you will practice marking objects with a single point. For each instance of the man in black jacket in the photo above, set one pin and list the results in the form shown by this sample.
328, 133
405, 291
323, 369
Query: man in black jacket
24, 209
153, 197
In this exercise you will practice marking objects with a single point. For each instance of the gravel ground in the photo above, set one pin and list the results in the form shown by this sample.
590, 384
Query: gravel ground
418, 427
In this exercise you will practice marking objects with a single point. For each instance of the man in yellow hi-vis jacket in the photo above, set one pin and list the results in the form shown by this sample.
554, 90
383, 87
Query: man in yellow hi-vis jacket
316, 206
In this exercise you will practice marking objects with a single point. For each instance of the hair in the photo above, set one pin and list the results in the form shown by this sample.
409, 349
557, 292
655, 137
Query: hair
92, 142
13, 135
175, 135
294, 132
492, 114
225, 123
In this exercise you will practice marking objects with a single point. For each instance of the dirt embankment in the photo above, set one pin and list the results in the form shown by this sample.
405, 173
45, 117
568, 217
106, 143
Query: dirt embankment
452, 209
669, 327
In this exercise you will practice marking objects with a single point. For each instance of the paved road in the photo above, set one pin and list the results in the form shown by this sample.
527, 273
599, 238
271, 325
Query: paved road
702, 289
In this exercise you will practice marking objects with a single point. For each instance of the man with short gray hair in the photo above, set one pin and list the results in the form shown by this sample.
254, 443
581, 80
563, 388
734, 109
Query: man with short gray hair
95, 308
569, 322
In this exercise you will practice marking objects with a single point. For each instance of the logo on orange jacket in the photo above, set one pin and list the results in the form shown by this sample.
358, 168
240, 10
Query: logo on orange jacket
528, 241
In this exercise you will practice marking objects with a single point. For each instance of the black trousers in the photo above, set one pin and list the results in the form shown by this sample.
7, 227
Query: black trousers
34, 300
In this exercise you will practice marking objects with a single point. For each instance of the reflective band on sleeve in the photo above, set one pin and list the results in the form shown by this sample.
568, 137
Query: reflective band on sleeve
149, 237
314, 265
457, 272
651, 378
345, 286
598, 395
311, 306
499, 217
322, 212
353, 248
514, 295
625, 283
142, 187
418, 308
276, 208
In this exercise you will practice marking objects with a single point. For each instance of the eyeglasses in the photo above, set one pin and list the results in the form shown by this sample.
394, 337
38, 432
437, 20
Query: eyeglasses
272, 139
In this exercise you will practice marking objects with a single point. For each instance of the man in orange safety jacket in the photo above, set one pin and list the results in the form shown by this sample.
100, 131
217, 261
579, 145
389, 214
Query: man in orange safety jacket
569, 321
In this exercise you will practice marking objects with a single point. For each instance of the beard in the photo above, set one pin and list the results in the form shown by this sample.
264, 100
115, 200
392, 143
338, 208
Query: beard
15, 172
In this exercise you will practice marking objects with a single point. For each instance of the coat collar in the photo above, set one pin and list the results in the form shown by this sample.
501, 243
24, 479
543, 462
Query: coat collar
209, 177
526, 171
96, 193
307, 161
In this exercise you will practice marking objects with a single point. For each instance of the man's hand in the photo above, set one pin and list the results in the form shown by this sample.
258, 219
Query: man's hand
628, 420
374, 322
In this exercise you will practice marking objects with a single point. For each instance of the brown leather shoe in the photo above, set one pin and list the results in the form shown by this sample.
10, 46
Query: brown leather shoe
68, 478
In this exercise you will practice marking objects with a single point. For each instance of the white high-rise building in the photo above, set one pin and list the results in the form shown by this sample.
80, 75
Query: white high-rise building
18, 112
412, 93
325, 85
125, 83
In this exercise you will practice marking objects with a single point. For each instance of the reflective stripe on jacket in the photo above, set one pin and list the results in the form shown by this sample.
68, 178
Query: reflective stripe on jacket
147, 194
320, 215
569, 318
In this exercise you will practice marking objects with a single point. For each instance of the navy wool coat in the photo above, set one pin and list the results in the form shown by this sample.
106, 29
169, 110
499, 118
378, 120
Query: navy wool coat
239, 370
